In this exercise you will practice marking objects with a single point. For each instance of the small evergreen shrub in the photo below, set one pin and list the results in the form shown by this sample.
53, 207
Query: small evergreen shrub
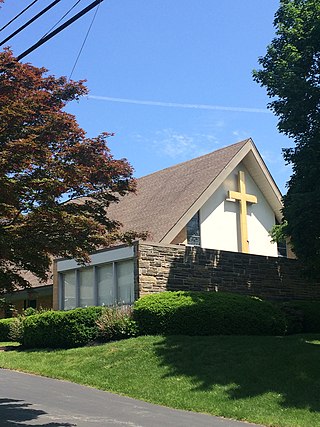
61, 329
116, 323
5, 329
207, 313
305, 313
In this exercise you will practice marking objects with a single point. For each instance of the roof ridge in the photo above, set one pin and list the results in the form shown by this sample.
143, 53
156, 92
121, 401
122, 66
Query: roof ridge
240, 143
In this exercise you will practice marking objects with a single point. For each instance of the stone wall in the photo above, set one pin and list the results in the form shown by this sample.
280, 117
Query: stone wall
173, 267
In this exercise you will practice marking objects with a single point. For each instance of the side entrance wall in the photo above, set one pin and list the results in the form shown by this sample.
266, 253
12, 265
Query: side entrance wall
37, 297
172, 267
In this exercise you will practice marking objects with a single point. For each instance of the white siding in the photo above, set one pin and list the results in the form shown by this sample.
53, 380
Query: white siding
219, 219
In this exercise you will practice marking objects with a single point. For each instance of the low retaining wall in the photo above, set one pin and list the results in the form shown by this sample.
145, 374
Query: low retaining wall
174, 268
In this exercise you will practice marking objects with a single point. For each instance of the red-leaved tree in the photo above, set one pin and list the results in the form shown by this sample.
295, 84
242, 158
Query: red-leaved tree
55, 184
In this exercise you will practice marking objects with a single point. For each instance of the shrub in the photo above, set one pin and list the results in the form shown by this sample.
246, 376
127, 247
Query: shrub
15, 324
116, 323
207, 313
305, 313
16, 329
5, 329
30, 311
61, 329
294, 318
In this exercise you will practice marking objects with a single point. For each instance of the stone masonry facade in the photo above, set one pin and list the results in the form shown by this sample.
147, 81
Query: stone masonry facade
173, 268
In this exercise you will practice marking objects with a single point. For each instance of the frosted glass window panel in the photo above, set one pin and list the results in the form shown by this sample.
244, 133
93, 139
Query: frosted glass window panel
69, 285
105, 285
125, 279
86, 282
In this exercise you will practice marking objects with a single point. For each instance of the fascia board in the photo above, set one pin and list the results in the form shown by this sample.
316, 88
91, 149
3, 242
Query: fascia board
101, 257
263, 178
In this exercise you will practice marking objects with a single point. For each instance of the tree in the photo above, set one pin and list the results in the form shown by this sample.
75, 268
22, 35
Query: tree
291, 73
55, 183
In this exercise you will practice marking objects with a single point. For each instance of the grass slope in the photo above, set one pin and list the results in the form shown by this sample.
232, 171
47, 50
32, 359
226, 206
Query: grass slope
273, 381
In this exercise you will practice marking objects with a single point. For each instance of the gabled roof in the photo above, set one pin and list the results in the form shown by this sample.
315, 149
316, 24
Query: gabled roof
166, 200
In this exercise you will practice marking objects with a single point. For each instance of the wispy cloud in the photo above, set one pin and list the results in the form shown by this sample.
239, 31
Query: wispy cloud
179, 105
183, 146
241, 134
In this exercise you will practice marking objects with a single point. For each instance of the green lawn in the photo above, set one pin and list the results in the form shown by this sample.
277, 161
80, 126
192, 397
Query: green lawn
273, 381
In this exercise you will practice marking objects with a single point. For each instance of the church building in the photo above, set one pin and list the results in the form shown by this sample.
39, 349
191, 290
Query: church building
225, 201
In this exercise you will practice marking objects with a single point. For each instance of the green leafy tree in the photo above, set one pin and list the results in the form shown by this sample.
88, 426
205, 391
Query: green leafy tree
55, 183
291, 74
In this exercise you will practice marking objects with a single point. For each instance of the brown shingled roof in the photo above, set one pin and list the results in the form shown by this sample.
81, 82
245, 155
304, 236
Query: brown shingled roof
163, 197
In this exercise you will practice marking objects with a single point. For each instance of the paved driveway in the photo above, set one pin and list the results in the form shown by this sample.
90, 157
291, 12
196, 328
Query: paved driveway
29, 400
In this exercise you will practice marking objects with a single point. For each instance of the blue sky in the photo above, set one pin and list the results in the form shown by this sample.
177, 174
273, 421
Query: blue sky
172, 79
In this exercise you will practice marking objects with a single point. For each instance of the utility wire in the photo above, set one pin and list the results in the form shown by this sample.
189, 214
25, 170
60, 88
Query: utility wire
19, 14
84, 41
30, 21
59, 29
66, 14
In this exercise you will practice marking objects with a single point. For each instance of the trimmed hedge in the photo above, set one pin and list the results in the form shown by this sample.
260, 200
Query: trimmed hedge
207, 313
61, 329
5, 329
302, 316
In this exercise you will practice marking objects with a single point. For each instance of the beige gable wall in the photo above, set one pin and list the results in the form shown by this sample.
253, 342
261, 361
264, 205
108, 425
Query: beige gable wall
220, 219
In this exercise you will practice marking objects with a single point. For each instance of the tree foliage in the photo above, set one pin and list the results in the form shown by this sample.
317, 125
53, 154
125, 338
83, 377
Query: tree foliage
291, 74
55, 183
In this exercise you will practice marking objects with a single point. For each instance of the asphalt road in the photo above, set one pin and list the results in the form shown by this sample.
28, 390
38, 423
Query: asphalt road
30, 400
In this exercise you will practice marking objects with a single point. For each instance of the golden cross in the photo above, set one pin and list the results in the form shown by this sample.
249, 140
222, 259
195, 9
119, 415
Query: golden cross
243, 199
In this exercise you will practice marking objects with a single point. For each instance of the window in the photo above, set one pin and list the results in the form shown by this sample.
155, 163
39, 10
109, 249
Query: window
69, 282
30, 303
125, 280
102, 284
86, 288
105, 285
282, 248
193, 231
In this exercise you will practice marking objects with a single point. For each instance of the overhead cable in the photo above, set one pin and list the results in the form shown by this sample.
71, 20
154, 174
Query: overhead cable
62, 27
19, 14
84, 41
66, 14
30, 21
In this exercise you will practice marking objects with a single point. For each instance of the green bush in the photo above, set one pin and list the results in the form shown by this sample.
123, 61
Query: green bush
30, 311
293, 317
61, 329
207, 313
16, 329
305, 314
116, 323
5, 329
17, 325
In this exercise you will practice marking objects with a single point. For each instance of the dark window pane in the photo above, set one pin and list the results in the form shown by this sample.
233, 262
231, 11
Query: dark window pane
193, 230
282, 248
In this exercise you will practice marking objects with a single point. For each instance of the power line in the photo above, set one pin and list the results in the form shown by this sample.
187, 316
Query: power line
56, 31
30, 21
19, 14
84, 41
66, 14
